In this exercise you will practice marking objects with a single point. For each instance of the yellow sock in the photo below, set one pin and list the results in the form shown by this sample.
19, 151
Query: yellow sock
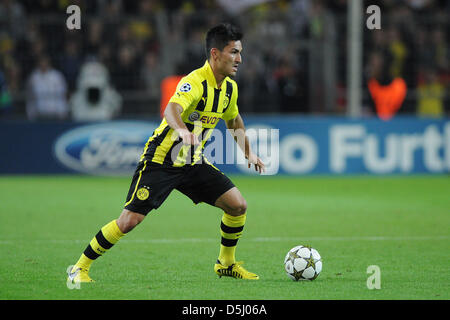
231, 228
108, 236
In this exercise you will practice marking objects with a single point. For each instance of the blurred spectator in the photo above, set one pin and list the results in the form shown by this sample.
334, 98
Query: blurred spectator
5, 98
95, 99
388, 93
70, 63
142, 26
289, 87
440, 49
431, 94
105, 56
151, 74
299, 15
317, 19
141, 42
398, 51
251, 84
46, 93
12, 74
12, 18
422, 45
125, 76
195, 50
8, 64
42, 6
94, 38
27, 49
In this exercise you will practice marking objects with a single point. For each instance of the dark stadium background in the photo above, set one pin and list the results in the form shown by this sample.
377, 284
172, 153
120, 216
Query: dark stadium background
295, 52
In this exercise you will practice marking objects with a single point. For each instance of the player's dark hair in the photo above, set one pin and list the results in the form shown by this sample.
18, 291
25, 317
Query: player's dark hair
219, 36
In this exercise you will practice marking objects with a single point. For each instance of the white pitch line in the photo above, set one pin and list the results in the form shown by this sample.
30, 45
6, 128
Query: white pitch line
356, 238
258, 239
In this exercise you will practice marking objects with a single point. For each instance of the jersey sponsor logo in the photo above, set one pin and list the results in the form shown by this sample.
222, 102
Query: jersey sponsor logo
194, 116
209, 120
186, 87
112, 148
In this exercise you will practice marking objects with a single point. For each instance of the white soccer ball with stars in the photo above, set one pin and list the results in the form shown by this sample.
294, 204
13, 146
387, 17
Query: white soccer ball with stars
303, 263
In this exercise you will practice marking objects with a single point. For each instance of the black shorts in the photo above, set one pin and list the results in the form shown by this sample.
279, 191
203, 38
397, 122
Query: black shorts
152, 184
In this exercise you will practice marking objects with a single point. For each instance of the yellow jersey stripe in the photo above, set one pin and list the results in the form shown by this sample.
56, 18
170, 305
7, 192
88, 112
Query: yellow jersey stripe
164, 147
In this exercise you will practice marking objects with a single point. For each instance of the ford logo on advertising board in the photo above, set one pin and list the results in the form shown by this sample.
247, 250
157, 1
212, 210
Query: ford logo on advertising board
111, 148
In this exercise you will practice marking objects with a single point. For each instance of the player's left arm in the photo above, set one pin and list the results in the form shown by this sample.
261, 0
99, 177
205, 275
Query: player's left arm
237, 130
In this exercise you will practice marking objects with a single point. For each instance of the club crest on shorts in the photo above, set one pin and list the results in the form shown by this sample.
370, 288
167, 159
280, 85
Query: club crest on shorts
186, 87
142, 193
194, 116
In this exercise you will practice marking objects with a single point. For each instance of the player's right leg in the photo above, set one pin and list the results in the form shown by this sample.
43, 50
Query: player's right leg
150, 186
104, 240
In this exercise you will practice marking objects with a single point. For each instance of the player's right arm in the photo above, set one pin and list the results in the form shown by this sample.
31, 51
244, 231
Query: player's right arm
188, 93
172, 113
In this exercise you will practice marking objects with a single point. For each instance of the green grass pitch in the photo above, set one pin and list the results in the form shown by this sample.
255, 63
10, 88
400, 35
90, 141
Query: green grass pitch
400, 224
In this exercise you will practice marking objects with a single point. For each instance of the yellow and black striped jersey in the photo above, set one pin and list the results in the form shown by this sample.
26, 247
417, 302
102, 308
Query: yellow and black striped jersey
204, 104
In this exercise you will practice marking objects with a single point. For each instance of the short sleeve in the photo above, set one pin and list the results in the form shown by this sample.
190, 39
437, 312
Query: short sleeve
232, 110
188, 92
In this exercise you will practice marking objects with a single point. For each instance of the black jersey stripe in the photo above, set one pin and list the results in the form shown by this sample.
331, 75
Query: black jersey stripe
202, 103
216, 100
150, 152
173, 151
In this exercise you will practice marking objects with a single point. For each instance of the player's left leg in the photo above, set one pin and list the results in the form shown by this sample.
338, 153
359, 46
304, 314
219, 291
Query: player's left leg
206, 183
234, 207
231, 229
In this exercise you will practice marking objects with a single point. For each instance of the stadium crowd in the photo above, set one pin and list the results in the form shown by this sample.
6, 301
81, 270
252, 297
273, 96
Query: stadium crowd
124, 50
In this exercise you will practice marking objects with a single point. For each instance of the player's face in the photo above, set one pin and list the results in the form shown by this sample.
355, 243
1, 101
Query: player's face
230, 58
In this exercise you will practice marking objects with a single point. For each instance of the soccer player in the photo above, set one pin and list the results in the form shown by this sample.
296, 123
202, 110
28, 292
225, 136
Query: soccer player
173, 157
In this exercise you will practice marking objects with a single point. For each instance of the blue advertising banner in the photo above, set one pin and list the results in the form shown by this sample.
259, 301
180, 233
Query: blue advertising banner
345, 146
288, 146
109, 148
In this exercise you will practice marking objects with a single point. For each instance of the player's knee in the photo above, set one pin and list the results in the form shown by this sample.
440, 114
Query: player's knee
238, 208
243, 207
128, 220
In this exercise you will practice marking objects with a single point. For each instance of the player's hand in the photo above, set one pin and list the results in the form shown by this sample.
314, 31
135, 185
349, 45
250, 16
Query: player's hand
253, 159
188, 137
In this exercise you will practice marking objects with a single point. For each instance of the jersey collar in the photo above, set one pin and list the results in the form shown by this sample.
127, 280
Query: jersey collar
210, 75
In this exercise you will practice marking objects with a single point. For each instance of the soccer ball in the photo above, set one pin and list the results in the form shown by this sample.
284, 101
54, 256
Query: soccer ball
302, 263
